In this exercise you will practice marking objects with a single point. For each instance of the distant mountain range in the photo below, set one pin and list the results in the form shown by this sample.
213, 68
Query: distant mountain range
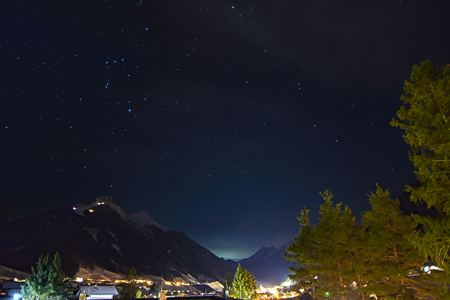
268, 265
100, 234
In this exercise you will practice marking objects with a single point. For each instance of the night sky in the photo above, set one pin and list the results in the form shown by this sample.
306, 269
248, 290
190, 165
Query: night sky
222, 119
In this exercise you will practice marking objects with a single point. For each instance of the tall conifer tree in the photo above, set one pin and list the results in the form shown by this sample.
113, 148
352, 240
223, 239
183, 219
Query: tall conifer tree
396, 265
333, 237
325, 253
130, 289
425, 118
301, 252
359, 264
45, 281
244, 284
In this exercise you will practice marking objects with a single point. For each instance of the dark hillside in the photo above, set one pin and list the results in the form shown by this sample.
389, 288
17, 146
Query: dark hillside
99, 233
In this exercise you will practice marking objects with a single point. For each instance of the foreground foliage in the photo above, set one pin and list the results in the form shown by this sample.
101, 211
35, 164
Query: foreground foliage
45, 281
425, 119
244, 284
394, 264
130, 289
386, 255
301, 252
324, 253
336, 256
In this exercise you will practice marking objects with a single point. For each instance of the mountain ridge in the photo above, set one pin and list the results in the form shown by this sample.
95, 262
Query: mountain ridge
100, 233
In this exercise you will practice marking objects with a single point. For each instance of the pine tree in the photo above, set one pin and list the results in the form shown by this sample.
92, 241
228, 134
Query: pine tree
395, 264
425, 119
45, 281
251, 286
325, 253
359, 263
244, 284
130, 289
301, 252
333, 240
59, 290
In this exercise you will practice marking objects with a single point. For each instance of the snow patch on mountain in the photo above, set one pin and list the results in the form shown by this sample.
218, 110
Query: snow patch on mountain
98, 274
112, 234
217, 286
143, 218
187, 278
9, 274
93, 232
117, 249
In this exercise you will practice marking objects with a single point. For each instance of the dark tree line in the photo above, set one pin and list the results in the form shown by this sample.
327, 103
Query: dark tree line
385, 255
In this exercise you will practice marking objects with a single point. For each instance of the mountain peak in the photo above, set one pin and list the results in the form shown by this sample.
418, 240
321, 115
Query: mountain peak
268, 265
141, 218
107, 200
103, 200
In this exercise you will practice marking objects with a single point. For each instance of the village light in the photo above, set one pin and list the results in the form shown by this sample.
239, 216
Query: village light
287, 283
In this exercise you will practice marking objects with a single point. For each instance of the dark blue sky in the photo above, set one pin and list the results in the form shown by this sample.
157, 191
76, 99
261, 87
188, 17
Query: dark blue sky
221, 119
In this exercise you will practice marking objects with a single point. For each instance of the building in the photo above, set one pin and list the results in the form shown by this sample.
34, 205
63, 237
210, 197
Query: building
10, 288
97, 292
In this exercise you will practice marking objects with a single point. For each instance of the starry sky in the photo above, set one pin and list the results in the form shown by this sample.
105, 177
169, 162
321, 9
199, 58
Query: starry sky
222, 119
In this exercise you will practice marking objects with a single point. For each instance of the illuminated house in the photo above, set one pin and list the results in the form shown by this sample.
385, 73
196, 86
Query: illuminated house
97, 292
10, 288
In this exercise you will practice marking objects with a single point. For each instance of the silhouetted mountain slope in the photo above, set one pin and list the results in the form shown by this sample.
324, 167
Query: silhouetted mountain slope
99, 233
232, 264
268, 265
